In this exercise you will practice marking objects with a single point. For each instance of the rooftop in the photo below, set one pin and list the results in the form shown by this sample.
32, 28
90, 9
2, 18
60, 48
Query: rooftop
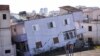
4, 7
70, 9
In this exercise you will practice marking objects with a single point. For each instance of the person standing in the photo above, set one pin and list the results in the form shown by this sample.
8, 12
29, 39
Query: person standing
71, 47
67, 49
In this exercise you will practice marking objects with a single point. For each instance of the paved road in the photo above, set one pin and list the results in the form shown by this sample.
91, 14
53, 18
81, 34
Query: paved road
95, 52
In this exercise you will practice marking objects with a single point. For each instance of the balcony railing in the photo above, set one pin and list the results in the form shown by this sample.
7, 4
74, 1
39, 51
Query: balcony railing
20, 38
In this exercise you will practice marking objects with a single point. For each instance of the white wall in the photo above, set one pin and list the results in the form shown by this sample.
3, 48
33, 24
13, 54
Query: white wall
20, 29
94, 14
62, 11
5, 34
44, 33
5, 23
92, 34
78, 16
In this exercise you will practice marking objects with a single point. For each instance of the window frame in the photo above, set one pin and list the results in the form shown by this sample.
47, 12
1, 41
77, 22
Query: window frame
65, 22
89, 28
51, 24
7, 51
38, 44
71, 34
55, 40
15, 29
66, 35
35, 27
4, 16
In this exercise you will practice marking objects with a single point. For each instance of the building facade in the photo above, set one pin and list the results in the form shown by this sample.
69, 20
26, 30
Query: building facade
43, 11
53, 13
45, 34
6, 47
92, 31
92, 24
50, 33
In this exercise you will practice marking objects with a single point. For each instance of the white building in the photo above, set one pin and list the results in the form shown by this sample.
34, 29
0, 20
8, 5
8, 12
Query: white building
6, 47
50, 33
54, 13
92, 31
41, 35
43, 11
92, 24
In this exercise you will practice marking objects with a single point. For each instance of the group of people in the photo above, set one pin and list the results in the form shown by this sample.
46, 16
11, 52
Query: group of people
79, 44
69, 49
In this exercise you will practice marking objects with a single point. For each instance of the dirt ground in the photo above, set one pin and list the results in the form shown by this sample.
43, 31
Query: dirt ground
62, 52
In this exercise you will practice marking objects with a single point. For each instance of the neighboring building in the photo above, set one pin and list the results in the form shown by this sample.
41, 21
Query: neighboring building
41, 35
67, 10
19, 37
36, 16
23, 15
33, 12
81, 7
6, 46
43, 11
54, 13
92, 24
92, 31
50, 33
77, 14
16, 17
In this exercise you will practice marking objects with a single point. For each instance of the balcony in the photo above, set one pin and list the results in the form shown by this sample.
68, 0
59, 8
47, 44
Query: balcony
20, 38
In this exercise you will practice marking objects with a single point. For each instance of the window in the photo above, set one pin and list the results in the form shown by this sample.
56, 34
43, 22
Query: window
89, 28
71, 34
51, 24
23, 46
7, 51
38, 44
87, 16
14, 29
74, 33
66, 35
56, 40
65, 21
4, 16
82, 26
35, 27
